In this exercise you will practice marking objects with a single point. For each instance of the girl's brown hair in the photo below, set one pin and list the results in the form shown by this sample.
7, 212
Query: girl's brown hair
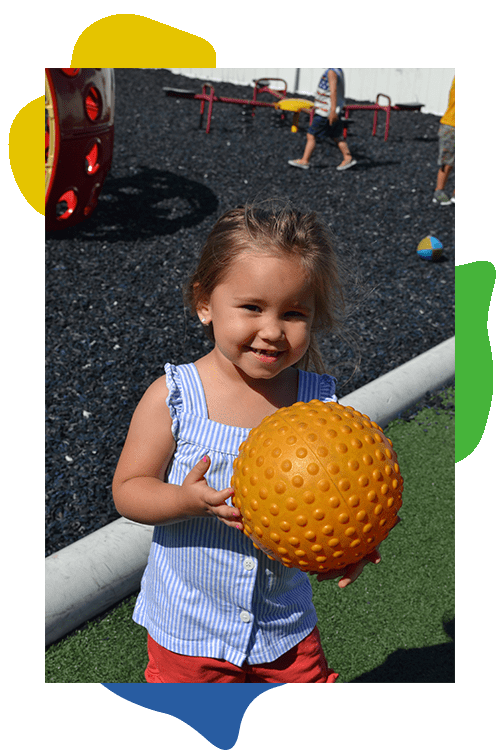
274, 230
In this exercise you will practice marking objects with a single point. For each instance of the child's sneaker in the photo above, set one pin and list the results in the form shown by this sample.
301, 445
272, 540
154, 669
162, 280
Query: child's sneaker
342, 167
441, 198
296, 163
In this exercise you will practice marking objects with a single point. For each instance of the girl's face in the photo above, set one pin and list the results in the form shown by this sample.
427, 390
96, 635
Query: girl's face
262, 313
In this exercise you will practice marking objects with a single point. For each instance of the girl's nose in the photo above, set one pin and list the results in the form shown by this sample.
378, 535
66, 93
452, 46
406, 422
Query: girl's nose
271, 329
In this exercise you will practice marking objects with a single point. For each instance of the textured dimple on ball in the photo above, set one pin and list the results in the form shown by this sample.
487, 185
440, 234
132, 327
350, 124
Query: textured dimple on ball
318, 485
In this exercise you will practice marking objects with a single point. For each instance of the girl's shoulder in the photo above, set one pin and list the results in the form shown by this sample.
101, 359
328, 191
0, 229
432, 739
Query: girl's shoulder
162, 400
156, 395
164, 390
151, 415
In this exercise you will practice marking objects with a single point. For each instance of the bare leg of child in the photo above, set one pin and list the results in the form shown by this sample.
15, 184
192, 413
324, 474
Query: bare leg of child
344, 150
442, 176
309, 148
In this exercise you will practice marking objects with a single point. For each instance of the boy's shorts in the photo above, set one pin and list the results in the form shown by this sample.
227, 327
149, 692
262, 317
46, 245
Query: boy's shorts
446, 135
320, 128
305, 662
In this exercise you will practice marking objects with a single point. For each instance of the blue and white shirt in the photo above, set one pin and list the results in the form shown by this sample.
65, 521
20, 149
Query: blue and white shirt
322, 98
207, 591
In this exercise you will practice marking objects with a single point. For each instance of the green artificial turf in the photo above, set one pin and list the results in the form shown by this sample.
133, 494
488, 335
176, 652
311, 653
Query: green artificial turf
109, 649
395, 623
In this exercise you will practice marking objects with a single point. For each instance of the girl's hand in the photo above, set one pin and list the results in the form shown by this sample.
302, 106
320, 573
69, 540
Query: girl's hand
349, 574
211, 502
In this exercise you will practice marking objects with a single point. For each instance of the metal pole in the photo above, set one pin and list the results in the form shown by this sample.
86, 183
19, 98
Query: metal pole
297, 79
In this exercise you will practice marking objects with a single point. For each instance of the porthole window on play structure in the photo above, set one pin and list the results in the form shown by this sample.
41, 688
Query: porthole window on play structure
93, 104
92, 202
92, 157
66, 205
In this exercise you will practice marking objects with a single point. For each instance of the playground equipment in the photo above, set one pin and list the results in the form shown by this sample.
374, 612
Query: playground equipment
261, 85
296, 106
376, 108
79, 132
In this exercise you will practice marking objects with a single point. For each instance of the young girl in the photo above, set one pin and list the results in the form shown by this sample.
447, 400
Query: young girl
217, 609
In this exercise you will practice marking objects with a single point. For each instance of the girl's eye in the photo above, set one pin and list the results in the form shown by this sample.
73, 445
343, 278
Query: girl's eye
295, 314
252, 308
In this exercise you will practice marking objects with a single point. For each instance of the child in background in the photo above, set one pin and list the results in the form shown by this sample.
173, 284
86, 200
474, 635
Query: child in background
328, 104
216, 608
446, 159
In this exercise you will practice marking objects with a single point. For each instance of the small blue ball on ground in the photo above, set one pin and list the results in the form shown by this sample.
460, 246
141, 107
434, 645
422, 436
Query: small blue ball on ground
430, 248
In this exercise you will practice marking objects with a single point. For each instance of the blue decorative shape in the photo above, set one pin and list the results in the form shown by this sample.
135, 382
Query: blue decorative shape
197, 705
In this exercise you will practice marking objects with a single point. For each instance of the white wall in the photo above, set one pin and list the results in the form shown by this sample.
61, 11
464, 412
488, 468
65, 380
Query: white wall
429, 86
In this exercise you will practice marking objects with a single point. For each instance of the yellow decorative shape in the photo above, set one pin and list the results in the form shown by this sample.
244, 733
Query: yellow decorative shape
131, 41
26, 150
305, 494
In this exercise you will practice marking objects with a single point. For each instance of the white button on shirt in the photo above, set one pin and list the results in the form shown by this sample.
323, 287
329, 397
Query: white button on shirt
245, 616
249, 563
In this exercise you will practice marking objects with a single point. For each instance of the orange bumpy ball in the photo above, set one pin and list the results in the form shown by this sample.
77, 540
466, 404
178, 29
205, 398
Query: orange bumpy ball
318, 486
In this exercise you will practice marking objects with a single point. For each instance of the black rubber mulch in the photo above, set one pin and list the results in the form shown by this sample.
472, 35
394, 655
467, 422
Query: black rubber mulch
114, 304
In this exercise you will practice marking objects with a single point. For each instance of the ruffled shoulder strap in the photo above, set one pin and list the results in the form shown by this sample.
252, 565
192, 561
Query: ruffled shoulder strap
327, 388
185, 393
174, 398
312, 385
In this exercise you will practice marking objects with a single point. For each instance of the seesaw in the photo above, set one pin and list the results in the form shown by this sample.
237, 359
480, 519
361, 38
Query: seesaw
209, 97
376, 108
261, 85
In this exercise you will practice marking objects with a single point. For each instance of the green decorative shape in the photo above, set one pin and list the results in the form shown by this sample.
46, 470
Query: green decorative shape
473, 359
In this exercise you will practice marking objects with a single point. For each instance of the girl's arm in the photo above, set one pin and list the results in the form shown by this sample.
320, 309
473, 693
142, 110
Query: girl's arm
139, 490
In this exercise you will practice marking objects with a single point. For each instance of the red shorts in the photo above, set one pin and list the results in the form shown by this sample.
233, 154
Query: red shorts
305, 662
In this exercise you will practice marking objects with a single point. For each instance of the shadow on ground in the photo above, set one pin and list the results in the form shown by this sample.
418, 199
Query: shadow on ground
428, 664
146, 203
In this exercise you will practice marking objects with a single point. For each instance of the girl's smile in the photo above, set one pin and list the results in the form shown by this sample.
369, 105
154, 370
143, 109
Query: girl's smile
261, 313
266, 355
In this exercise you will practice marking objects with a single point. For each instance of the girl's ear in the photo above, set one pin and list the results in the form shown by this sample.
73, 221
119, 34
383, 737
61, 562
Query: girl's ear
203, 311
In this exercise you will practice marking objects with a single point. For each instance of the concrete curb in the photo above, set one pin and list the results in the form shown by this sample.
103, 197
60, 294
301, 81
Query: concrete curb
94, 573
383, 399
90, 575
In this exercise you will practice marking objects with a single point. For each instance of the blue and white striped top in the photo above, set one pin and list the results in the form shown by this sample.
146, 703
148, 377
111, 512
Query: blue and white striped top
207, 591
